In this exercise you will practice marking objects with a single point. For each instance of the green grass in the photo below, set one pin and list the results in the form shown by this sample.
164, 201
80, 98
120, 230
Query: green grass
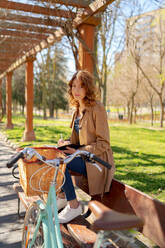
139, 152
139, 157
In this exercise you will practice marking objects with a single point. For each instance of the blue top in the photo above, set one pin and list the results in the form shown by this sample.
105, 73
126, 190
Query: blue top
76, 124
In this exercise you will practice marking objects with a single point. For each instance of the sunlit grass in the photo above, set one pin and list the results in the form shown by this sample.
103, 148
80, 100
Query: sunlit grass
139, 151
139, 157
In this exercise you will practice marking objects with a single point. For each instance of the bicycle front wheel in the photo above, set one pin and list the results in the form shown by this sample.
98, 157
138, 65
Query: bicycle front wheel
30, 223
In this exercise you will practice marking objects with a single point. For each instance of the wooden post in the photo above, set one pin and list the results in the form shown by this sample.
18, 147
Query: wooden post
86, 61
29, 134
9, 124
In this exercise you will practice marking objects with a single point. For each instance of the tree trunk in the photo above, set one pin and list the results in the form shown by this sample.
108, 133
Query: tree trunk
44, 100
161, 111
23, 106
131, 110
105, 88
56, 113
135, 112
152, 111
51, 111
128, 111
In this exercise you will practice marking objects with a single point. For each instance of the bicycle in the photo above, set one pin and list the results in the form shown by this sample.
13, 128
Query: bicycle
41, 226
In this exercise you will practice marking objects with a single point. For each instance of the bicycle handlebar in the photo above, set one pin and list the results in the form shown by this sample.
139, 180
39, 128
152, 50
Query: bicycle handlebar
14, 159
30, 152
104, 163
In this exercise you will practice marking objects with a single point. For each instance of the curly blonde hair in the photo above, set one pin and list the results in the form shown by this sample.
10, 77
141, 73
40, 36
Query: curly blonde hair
87, 82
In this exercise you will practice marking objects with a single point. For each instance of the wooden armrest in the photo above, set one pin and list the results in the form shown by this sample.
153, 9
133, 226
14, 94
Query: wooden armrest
26, 200
108, 219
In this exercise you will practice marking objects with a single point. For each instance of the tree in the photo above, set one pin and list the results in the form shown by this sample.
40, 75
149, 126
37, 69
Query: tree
127, 79
18, 90
50, 86
150, 43
107, 37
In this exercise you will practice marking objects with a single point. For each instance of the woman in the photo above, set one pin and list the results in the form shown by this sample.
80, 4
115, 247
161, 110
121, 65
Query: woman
90, 130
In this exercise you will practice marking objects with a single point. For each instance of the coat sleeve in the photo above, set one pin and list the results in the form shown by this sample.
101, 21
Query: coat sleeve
102, 142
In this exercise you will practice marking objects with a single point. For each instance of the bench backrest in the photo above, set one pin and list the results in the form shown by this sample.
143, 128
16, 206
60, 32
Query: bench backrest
126, 199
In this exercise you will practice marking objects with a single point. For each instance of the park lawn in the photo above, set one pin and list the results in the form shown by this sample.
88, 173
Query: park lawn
138, 151
140, 158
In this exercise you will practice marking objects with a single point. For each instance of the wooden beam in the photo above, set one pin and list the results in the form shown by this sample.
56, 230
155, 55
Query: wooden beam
10, 58
3, 67
74, 3
5, 64
10, 46
5, 59
15, 40
27, 28
22, 34
47, 21
98, 6
6, 49
43, 44
9, 54
94, 7
36, 9
18, 40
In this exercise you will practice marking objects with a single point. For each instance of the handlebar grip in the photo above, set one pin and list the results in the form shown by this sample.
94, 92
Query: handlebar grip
107, 165
14, 159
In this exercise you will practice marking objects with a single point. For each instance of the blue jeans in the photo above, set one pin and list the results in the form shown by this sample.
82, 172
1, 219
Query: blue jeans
76, 165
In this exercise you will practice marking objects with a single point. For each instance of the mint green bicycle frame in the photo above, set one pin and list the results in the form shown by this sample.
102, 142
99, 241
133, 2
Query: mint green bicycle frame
48, 213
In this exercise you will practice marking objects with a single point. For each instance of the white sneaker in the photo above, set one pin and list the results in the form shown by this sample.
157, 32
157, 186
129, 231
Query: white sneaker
68, 214
61, 203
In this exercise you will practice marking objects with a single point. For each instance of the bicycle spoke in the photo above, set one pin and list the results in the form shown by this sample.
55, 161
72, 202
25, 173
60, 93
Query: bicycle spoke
30, 223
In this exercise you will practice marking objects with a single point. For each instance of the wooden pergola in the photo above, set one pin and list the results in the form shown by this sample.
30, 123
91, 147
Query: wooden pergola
27, 27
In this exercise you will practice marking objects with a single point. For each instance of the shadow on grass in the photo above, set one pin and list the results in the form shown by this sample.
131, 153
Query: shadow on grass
144, 182
147, 182
130, 155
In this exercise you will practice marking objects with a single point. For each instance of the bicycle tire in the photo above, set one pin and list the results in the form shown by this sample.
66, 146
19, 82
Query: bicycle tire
30, 222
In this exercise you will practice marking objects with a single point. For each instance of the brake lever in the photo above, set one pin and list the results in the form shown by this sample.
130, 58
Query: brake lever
98, 167
29, 153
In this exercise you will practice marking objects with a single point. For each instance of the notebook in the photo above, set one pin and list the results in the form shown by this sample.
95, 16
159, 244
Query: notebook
75, 146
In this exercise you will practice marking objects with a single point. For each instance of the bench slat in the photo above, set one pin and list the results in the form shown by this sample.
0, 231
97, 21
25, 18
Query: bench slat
79, 229
68, 240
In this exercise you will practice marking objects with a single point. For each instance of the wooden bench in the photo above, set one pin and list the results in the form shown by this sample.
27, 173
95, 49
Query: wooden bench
125, 199
79, 229
106, 219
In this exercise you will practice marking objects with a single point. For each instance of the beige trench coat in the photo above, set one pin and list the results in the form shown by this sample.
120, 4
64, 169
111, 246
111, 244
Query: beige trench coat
94, 135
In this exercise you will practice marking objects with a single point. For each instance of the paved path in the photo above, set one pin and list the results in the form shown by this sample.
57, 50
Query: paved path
10, 225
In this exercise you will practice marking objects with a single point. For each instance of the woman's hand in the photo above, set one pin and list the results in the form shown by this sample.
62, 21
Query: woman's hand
62, 142
69, 150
